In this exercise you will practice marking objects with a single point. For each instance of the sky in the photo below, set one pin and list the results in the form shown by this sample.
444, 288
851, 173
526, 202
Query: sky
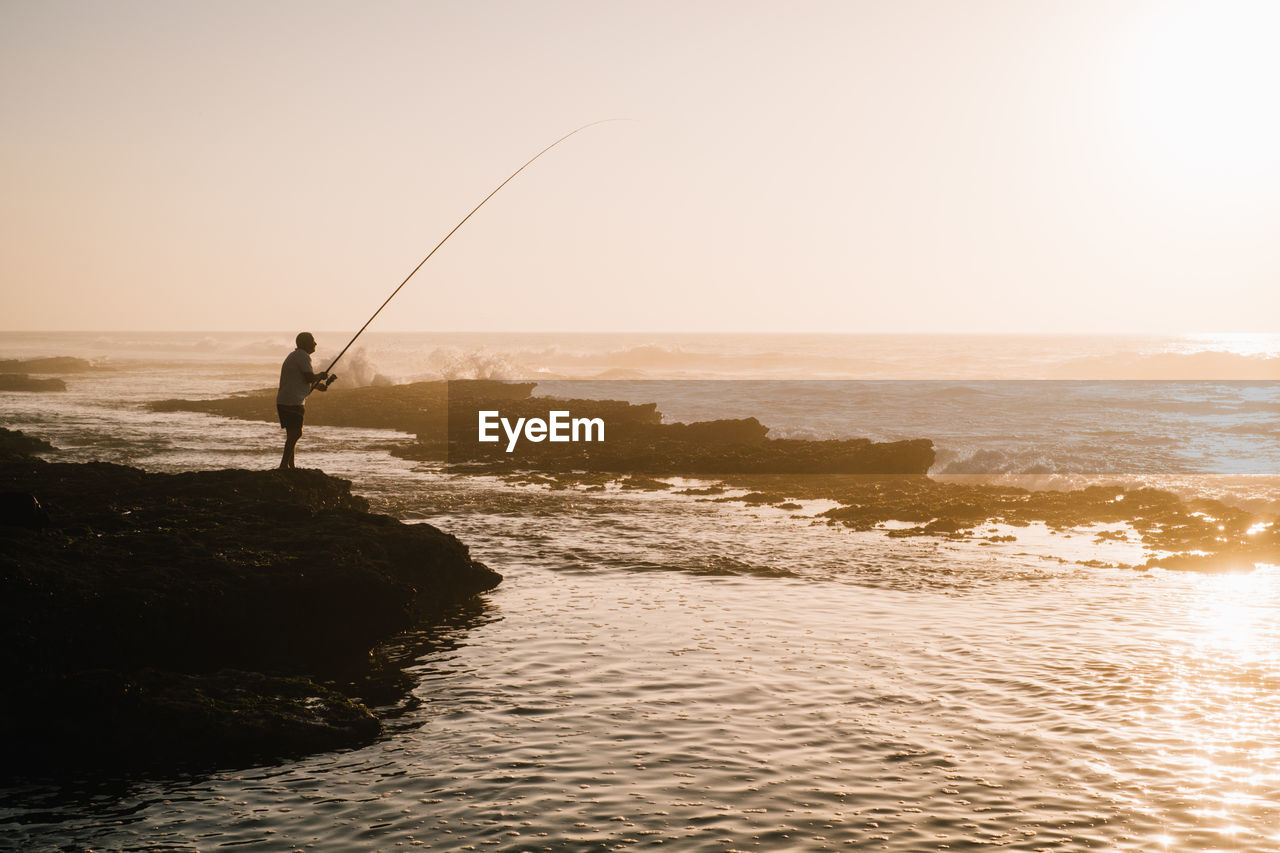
875, 166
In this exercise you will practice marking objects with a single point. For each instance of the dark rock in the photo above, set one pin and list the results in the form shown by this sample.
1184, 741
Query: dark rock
739, 431
1200, 535
945, 525
196, 573
154, 718
55, 364
22, 509
14, 444
644, 484
23, 382
419, 407
709, 490
443, 417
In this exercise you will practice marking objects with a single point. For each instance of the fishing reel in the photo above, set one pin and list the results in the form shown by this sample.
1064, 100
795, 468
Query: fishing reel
323, 384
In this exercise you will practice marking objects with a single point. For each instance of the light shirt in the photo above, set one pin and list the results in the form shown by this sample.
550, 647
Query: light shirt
294, 386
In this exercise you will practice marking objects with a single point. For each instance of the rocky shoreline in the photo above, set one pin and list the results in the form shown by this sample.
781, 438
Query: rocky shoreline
877, 486
441, 416
15, 374
1197, 535
206, 618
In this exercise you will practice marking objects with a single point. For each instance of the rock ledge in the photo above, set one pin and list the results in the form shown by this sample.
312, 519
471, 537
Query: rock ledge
203, 617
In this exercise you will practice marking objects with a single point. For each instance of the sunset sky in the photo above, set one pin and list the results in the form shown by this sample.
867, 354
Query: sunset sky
842, 166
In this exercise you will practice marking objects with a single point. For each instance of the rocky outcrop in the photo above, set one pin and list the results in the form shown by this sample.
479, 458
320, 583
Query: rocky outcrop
14, 373
1177, 533
204, 616
23, 382
15, 444
443, 419
419, 407
54, 364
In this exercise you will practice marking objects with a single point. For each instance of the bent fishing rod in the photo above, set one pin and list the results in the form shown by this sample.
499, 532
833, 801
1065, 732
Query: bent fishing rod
329, 369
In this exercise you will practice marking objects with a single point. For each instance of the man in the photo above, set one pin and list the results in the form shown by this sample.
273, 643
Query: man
296, 381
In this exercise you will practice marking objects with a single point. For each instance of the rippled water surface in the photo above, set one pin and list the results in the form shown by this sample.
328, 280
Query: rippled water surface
667, 672
690, 691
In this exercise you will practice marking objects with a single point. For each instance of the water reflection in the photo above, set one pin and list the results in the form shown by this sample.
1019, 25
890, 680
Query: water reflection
1220, 708
1232, 607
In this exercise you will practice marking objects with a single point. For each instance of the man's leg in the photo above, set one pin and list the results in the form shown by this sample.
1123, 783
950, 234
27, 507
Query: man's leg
291, 437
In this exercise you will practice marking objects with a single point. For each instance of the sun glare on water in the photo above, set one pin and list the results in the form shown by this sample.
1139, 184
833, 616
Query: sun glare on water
1239, 343
1232, 610
1219, 707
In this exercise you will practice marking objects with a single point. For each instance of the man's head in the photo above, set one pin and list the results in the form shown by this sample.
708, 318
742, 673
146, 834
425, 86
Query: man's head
306, 342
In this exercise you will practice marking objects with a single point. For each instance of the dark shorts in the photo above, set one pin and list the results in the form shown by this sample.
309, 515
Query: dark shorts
291, 417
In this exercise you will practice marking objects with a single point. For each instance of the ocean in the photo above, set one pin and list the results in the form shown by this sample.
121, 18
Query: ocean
661, 670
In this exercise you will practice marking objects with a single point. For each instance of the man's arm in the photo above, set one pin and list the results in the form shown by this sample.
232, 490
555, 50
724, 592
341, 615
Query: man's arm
304, 367
317, 380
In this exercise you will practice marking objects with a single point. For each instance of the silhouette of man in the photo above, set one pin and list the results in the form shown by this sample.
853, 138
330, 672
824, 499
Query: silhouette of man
296, 381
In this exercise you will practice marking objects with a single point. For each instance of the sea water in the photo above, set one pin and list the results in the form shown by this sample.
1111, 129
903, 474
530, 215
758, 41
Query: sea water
663, 671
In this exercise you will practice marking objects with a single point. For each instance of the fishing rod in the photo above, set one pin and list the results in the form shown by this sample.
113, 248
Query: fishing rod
329, 369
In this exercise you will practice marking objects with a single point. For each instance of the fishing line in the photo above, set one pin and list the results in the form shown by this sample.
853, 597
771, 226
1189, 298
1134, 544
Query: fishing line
451, 233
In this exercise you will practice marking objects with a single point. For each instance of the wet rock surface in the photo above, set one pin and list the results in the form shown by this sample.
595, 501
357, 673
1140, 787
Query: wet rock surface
1201, 535
206, 617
